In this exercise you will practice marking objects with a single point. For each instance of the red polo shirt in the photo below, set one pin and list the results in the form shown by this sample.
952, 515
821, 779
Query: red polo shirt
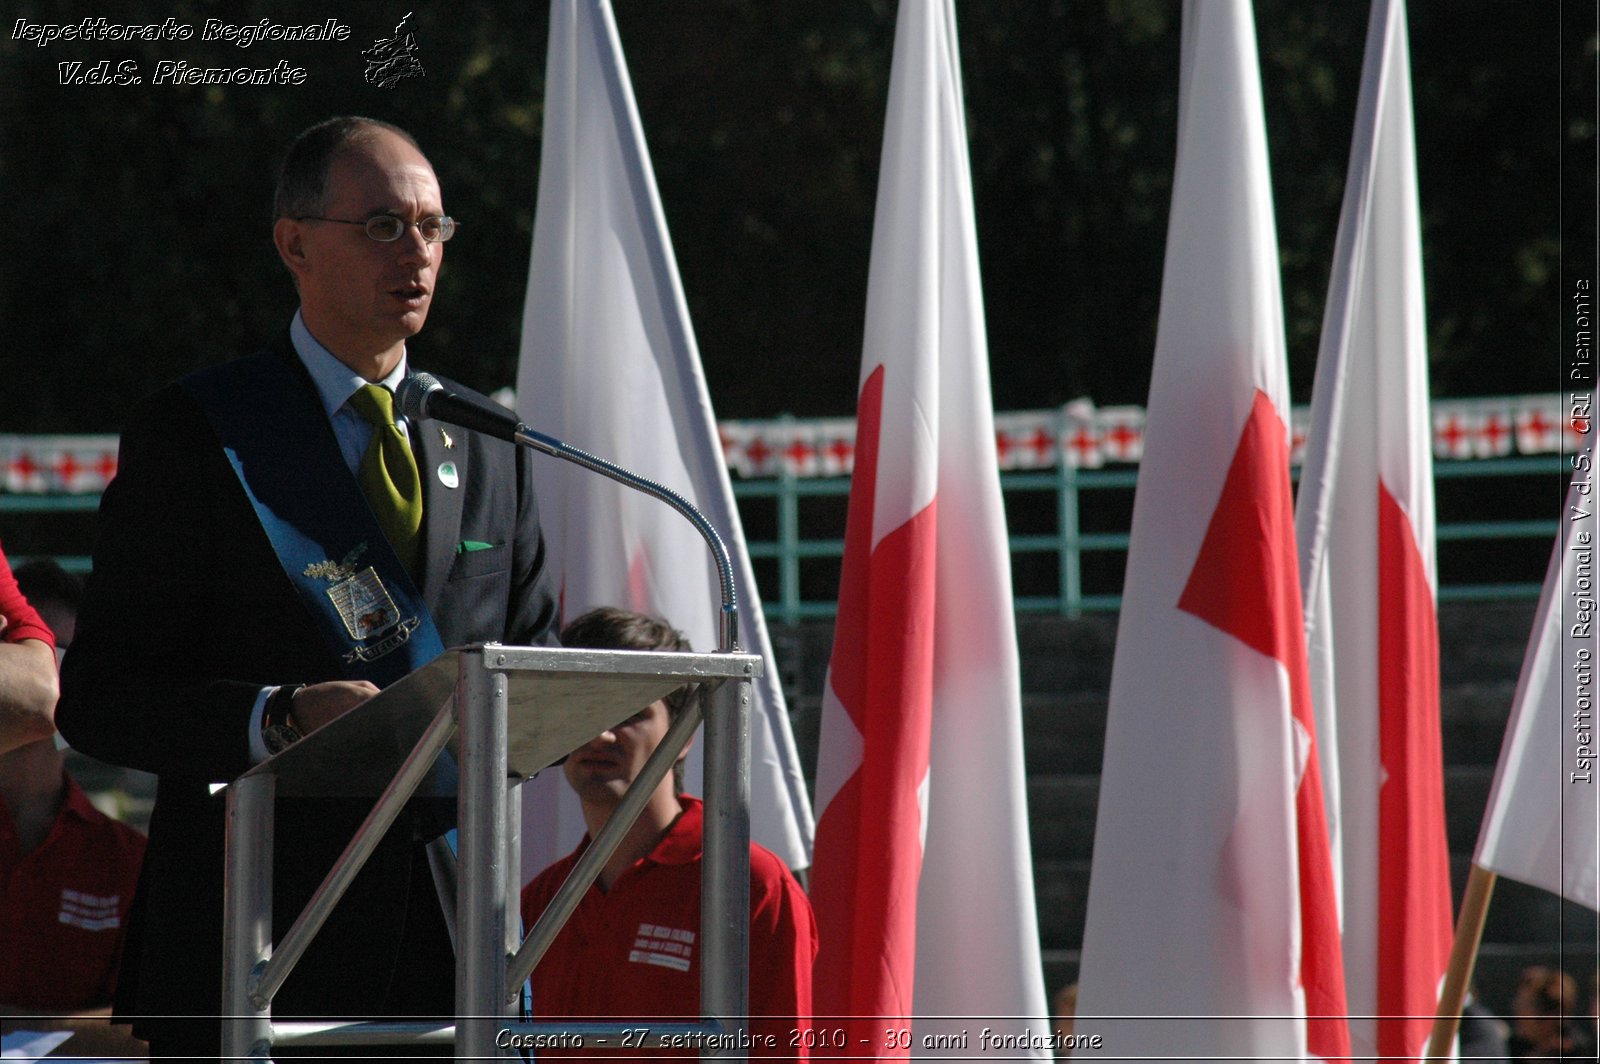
64, 907
633, 952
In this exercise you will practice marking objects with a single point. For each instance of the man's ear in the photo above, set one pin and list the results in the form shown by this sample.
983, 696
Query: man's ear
287, 238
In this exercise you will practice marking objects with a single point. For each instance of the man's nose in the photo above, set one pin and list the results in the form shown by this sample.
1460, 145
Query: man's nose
412, 247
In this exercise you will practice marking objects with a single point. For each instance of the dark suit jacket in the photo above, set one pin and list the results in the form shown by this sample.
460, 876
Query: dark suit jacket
186, 616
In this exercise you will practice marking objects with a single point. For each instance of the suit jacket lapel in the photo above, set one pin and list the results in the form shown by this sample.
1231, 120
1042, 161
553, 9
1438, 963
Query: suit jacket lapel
441, 502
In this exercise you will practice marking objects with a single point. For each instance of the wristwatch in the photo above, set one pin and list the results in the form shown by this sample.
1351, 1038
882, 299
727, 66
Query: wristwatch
277, 723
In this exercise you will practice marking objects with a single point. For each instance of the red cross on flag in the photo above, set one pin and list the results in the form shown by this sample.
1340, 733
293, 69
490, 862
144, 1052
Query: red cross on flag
1452, 431
1365, 521
25, 474
923, 884
1212, 914
838, 448
1122, 432
1494, 434
1538, 427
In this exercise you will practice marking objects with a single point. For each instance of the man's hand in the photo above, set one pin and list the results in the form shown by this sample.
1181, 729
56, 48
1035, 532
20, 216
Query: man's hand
316, 704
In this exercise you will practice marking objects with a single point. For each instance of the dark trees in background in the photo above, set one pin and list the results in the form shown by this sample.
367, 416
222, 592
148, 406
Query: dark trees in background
139, 215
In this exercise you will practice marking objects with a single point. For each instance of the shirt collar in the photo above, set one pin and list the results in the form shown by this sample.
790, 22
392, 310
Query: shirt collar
684, 840
78, 803
335, 381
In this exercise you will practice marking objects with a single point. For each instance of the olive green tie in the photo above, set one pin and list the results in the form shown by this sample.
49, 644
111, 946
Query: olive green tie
388, 473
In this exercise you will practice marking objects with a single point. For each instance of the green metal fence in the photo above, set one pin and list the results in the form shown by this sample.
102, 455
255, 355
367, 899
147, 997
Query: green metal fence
1070, 548
1525, 540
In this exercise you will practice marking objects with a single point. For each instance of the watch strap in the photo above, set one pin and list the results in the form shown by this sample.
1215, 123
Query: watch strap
278, 729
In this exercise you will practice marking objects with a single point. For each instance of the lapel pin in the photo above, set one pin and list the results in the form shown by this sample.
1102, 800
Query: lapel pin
448, 476
448, 442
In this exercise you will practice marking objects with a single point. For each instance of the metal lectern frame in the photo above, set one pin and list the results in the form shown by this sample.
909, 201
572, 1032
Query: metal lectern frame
513, 711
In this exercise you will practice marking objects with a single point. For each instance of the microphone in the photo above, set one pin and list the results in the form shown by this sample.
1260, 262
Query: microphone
421, 396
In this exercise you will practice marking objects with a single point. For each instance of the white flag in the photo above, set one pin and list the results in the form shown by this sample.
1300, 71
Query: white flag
1365, 521
1211, 910
609, 364
1544, 811
923, 885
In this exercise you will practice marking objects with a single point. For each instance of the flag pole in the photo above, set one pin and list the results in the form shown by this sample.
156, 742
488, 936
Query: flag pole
1463, 954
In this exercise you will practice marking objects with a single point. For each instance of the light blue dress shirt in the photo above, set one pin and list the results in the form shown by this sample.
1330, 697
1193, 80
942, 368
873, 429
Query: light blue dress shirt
336, 383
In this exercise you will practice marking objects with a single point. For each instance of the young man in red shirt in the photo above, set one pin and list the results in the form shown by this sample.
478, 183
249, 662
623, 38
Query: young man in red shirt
631, 949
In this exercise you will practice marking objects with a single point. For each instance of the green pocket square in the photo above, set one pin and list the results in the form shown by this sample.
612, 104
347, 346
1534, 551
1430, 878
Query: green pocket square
467, 546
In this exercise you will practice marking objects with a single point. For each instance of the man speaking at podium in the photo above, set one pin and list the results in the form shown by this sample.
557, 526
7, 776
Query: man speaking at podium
275, 548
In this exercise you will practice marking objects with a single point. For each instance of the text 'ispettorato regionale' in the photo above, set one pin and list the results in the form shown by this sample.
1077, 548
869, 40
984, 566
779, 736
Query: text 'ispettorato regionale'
177, 71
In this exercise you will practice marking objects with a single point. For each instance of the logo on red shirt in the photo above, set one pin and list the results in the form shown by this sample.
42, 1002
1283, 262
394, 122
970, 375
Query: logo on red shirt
669, 947
92, 912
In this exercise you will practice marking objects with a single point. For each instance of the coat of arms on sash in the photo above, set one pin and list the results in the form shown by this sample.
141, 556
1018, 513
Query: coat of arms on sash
364, 605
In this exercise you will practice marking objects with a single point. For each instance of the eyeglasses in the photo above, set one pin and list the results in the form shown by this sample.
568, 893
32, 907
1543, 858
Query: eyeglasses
387, 228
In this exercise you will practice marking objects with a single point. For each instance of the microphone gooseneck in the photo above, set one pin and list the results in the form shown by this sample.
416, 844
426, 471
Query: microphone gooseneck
421, 396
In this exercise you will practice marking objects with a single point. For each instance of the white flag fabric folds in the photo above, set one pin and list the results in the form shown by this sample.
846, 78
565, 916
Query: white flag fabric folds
609, 364
923, 883
1212, 912
1543, 818
1365, 520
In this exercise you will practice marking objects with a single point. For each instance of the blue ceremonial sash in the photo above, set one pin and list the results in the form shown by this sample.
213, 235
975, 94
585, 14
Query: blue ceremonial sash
327, 540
